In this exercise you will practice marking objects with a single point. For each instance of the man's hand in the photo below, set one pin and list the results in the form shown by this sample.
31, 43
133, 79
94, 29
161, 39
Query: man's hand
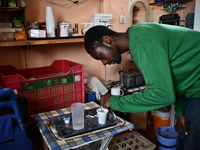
104, 101
181, 122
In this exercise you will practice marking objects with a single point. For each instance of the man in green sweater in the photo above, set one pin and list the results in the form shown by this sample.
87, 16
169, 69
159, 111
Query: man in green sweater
169, 59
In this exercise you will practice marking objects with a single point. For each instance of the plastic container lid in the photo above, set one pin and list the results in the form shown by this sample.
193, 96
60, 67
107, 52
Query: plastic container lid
162, 114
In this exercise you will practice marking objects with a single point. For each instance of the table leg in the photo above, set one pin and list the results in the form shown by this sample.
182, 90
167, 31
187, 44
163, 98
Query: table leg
105, 143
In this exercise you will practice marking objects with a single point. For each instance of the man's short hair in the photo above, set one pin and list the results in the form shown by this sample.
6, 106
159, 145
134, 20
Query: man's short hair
93, 37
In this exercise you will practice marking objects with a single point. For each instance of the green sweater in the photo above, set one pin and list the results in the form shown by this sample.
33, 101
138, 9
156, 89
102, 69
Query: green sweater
169, 59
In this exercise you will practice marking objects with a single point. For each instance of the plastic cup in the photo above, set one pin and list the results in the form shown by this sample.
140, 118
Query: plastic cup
77, 116
102, 116
49, 11
116, 91
50, 25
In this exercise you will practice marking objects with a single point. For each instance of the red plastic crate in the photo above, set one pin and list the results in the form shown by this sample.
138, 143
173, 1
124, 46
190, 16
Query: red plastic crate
51, 88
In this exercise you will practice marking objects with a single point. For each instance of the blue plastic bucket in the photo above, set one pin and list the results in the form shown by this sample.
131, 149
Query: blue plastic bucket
166, 138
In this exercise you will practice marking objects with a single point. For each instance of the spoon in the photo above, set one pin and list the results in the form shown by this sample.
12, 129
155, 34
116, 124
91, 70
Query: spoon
90, 116
101, 108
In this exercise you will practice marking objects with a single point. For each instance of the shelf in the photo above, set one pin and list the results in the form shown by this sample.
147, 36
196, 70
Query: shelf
42, 42
11, 8
136, 9
176, 8
169, 1
173, 20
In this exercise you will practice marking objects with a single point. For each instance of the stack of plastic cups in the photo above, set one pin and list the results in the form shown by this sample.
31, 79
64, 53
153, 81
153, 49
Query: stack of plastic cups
50, 25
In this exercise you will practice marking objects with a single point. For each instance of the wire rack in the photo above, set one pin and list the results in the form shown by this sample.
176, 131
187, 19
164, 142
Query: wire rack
130, 141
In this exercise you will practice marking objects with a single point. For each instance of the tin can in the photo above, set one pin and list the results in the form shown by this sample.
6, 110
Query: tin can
75, 29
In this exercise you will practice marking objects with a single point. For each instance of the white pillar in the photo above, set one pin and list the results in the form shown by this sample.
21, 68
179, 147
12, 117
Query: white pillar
197, 16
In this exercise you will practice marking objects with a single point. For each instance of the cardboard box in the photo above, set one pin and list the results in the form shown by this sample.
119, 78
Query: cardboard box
33, 33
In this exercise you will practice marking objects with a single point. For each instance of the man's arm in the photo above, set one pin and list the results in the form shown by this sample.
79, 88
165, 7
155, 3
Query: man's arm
153, 62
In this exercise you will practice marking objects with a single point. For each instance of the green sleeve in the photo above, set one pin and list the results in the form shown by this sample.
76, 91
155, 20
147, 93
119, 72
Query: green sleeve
153, 62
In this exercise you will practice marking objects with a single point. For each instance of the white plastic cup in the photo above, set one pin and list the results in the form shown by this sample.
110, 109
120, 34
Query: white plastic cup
117, 91
50, 25
77, 116
102, 116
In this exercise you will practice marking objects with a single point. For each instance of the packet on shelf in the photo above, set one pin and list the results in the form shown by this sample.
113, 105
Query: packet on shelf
17, 22
6, 25
11, 3
20, 33
6, 32
85, 27
35, 33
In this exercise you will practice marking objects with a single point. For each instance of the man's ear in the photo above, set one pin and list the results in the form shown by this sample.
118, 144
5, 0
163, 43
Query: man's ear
106, 40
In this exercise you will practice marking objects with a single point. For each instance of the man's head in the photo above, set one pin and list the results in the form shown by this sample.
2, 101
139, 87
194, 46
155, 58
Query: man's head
99, 43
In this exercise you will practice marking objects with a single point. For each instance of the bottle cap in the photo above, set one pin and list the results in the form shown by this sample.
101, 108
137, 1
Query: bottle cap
66, 119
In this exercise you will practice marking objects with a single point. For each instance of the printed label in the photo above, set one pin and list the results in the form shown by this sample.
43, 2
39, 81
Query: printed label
77, 78
34, 85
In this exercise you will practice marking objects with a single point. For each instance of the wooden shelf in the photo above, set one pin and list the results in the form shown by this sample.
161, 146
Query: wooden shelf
169, 1
11, 8
136, 9
5, 12
176, 8
42, 42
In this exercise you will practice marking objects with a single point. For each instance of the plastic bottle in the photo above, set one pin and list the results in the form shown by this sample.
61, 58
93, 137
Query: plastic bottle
94, 82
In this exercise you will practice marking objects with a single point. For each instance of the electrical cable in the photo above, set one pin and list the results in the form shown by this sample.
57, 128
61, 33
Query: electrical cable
76, 1
59, 3
72, 2
120, 7
108, 6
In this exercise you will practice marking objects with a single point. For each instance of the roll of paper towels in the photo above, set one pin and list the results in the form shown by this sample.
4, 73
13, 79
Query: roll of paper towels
129, 57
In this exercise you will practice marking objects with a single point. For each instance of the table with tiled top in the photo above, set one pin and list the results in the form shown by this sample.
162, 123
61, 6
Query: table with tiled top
52, 143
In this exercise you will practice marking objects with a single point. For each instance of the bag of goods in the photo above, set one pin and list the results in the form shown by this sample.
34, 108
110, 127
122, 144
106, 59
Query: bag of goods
20, 32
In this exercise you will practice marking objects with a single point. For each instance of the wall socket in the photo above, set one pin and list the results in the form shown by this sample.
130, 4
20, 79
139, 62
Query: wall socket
122, 19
